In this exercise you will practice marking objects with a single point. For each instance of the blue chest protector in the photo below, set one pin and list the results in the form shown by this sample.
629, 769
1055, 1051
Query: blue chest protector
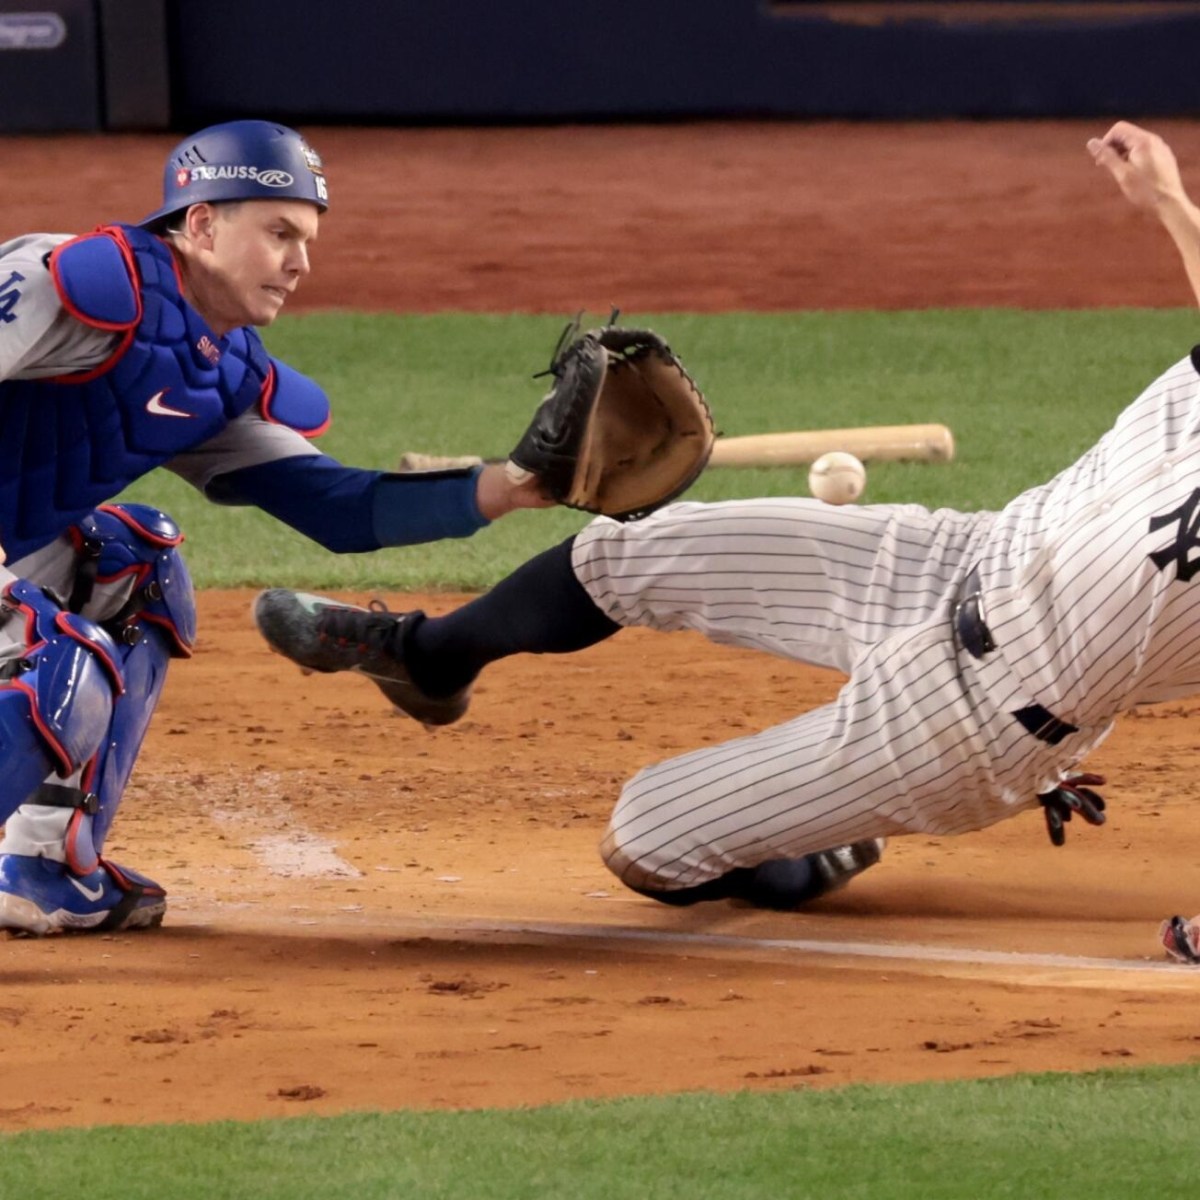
70, 443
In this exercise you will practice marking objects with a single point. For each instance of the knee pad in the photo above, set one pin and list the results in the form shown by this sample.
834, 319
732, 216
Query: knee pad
56, 698
137, 544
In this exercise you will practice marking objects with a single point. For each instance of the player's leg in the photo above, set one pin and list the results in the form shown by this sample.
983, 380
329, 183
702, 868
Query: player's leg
425, 665
121, 567
59, 676
794, 577
899, 751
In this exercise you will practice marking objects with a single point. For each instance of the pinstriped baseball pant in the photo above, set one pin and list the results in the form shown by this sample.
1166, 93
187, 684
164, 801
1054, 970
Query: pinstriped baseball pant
918, 739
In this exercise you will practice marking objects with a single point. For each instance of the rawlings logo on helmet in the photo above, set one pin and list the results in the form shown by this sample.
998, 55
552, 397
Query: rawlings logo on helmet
271, 177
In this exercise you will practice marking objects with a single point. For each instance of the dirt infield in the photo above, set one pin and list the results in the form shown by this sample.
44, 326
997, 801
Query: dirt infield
365, 915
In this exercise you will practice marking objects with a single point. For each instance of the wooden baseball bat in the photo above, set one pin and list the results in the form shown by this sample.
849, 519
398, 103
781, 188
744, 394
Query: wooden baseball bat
873, 443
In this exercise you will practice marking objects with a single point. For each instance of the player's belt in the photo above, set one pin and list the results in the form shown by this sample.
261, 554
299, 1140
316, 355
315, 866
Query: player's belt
973, 635
969, 625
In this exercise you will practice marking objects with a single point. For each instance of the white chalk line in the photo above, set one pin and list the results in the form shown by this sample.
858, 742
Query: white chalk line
903, 951
1014, 961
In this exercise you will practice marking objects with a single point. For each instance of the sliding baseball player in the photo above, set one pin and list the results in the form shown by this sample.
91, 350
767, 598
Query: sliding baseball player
985, 653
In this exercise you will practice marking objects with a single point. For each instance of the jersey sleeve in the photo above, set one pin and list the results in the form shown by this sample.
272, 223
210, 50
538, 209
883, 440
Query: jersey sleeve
258, 462
38, 337
247, 441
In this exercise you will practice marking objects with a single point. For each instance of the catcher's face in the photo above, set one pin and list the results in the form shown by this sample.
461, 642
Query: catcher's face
242, 261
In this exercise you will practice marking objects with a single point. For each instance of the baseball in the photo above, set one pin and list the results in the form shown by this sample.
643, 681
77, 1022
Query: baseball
837, 478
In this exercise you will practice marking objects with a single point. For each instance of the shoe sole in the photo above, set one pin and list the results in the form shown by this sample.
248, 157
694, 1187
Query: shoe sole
836, 867
23, 918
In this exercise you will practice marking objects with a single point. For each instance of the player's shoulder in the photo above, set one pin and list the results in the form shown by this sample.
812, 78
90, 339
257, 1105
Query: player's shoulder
32, 250
25, 260
26, 288
295, 400
95, 280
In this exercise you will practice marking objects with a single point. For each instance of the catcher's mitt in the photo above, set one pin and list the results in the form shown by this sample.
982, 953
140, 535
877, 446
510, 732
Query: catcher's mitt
623, 429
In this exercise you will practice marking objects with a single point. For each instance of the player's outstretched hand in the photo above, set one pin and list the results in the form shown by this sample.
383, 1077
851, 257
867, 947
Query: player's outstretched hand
1073, 795
1141, 162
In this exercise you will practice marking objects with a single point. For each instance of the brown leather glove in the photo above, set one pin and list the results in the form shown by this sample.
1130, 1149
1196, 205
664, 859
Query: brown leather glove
623, 429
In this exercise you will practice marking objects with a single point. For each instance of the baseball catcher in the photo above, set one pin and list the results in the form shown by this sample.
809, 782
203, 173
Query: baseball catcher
623, 429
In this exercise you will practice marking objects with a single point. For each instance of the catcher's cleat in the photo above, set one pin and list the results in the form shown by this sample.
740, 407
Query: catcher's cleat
40, 896
326, 635
788, 883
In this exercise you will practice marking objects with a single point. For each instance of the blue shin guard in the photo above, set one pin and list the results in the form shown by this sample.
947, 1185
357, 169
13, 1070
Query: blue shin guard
56, 698
103, 784
155, 624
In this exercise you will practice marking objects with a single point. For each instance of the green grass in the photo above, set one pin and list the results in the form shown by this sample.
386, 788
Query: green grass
1106, 1136
1025, 394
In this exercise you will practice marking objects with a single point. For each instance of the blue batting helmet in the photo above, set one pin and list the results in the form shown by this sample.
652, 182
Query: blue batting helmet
240, 160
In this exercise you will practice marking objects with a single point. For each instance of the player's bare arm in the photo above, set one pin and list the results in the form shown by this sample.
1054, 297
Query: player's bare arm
1146, 171
497, 494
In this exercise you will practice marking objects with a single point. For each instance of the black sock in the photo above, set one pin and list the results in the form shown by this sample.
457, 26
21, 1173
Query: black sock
541, 608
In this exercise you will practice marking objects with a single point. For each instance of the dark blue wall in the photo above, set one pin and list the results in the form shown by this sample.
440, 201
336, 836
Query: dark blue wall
185, 63
440, 60
49, 66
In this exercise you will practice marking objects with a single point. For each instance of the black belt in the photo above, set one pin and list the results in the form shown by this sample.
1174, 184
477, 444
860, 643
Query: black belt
969, 626
976, 639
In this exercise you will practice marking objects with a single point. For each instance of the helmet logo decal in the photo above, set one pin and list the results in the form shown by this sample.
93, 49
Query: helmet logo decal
270, 177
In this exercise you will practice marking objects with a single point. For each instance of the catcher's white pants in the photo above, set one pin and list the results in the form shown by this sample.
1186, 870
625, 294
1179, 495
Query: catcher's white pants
919, 739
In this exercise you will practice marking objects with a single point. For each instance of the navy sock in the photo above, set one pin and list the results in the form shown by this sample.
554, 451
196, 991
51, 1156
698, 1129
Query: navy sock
541, 608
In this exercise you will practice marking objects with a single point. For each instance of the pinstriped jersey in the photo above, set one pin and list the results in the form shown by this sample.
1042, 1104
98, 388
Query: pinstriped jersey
1088, 579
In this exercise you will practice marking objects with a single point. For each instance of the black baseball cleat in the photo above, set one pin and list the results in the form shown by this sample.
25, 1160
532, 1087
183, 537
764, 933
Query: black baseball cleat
782, 884
789, 883
320, 634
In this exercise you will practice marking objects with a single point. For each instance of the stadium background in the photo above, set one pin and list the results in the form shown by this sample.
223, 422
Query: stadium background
672, 157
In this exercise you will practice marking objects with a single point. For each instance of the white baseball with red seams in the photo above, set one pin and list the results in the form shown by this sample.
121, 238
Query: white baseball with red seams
837, 478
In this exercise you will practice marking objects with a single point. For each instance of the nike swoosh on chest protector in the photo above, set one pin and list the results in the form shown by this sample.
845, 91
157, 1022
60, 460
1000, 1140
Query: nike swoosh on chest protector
156, 406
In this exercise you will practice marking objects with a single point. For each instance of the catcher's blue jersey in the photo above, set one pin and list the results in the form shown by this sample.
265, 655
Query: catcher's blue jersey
69, 443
